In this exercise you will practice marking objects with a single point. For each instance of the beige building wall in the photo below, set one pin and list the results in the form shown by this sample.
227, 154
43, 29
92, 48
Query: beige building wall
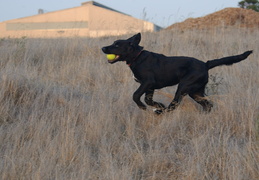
87, 20
105, 22
64, 23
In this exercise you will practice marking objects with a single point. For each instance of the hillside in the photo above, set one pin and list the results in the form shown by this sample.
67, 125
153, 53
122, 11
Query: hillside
229, 17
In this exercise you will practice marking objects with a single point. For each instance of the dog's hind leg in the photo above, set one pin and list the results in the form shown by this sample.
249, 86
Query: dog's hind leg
149, 100
200, 98
176, 101
182, 90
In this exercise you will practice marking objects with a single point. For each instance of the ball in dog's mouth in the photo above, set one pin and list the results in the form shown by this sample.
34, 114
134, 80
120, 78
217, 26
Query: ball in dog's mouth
112, 57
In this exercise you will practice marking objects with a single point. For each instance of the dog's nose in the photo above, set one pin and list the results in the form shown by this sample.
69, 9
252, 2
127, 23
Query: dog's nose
104, 49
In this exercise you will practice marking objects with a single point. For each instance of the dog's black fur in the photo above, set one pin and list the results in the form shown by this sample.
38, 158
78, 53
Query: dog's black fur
155, 71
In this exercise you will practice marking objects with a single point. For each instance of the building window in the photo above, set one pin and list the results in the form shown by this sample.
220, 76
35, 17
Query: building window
19, 26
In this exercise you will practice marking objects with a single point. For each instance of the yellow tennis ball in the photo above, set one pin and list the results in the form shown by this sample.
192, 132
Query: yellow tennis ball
111, 56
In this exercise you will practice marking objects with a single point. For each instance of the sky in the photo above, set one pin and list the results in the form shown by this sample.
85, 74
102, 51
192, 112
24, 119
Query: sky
161, 12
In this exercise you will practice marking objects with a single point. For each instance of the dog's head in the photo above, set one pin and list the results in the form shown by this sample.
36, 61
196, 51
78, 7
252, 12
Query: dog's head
125, 50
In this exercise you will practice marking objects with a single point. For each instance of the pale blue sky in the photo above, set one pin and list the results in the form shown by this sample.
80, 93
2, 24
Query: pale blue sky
160, 12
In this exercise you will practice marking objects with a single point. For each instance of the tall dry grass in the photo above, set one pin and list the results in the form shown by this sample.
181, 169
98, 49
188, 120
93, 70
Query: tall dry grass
65, 113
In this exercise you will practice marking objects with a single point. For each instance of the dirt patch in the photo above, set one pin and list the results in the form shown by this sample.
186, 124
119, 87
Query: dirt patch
229, 17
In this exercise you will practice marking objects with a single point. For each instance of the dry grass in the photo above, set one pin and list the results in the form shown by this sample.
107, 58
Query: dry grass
67, 114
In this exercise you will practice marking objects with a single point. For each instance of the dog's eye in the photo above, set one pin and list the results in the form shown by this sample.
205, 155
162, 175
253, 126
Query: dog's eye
116, 44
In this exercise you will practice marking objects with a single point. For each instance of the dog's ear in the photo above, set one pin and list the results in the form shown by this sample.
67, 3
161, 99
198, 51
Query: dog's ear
135, 39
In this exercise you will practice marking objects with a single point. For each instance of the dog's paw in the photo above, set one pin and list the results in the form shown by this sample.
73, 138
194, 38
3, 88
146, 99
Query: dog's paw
159, 105
158, 111
143, 107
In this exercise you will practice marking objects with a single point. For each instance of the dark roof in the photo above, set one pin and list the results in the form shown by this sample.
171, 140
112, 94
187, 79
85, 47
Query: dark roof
102, 6
158, 28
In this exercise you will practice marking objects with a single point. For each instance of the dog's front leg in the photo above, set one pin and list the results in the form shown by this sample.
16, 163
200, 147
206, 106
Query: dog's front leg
139, 92
150, 102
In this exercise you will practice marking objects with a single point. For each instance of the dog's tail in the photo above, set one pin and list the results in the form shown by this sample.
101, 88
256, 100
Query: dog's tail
227, 60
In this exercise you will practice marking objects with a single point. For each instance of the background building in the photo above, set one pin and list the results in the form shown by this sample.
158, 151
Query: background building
91, 19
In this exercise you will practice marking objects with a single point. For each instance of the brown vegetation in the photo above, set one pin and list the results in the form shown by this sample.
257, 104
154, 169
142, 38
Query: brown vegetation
229, 17
65, 113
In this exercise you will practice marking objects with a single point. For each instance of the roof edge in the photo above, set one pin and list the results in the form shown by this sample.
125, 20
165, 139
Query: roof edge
102, 6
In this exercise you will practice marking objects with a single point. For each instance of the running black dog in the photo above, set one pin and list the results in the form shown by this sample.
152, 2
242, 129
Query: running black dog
155, 71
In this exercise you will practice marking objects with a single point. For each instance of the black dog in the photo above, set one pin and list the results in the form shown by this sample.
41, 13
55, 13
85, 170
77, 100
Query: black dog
155, 71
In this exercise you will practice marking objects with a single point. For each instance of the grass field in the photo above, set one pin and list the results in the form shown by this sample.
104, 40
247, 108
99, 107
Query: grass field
65, 113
